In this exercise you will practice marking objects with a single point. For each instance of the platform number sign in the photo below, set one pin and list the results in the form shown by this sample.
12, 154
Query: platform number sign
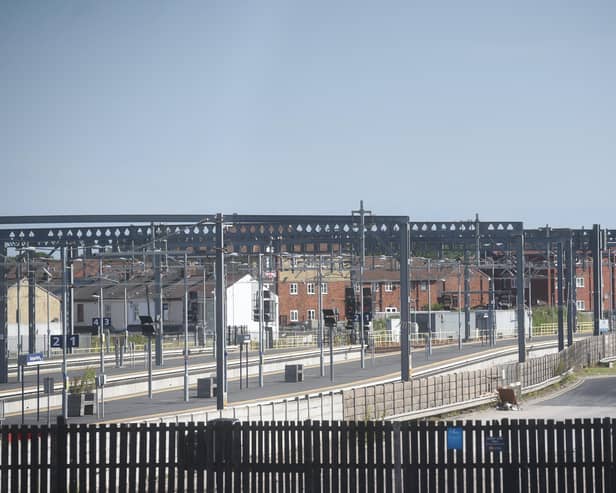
58, 341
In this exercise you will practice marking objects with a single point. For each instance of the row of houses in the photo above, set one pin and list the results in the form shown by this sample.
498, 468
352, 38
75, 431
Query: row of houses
296, 290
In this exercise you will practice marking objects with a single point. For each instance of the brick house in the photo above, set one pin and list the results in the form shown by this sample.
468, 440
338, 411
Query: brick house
298, 293
297, 287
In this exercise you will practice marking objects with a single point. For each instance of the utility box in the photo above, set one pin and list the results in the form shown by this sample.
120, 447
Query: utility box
206, 387
48, 385
294, 373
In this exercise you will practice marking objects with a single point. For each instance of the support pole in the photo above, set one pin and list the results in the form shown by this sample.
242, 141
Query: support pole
220, 318
362, 262
492, 314
429, 339
320, 319
459, 308
520, 299
596, 277
561, 289
31, 305
70, 311
406, 360
570, 290
158, 308
467, 297
186, 397
149, 366
4, 335
261, 320
101, 334
204, 322
65, 277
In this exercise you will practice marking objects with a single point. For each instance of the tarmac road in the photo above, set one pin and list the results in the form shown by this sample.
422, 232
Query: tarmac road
589, 398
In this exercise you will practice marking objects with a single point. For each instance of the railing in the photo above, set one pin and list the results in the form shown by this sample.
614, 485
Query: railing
552, 328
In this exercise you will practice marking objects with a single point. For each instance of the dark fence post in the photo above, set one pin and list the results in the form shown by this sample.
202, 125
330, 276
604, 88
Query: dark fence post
58, 453
307, 456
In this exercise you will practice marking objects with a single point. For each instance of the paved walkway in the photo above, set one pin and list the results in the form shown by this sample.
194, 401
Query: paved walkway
346, 374
589, 398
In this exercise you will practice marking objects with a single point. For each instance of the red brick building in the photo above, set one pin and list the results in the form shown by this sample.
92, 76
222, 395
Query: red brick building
298, 287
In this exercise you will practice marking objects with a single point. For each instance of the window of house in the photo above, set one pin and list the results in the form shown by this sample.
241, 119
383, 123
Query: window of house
80, 314
311, 314
389, 287
293, 288
375, 287
323, 288
356, 288
423, 286
294, 315
579, 282
580, 305
310, 288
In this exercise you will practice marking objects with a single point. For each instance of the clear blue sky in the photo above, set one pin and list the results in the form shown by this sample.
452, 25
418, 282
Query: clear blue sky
436, 110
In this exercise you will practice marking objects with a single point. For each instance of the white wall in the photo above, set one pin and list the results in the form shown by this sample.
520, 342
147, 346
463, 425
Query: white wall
55, 328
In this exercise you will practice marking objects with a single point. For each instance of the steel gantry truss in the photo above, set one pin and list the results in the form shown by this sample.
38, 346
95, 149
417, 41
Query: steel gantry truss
217, 234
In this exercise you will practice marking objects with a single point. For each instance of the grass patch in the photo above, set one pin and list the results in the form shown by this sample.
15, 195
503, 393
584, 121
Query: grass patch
597, 371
